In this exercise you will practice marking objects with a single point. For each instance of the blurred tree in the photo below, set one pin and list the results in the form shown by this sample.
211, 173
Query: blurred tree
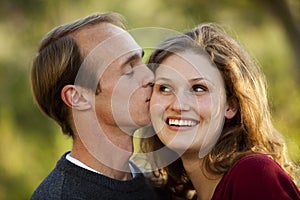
288, 14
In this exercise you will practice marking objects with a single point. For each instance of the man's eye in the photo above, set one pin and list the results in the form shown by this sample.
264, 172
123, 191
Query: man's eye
199, 88
129, 70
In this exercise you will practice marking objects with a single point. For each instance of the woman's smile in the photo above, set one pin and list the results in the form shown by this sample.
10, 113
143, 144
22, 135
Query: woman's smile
177, 123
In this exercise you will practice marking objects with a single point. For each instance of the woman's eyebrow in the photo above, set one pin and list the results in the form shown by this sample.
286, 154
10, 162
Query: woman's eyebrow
162, 79
201, 79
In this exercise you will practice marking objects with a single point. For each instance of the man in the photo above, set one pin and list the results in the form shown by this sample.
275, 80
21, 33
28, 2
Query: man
89, 77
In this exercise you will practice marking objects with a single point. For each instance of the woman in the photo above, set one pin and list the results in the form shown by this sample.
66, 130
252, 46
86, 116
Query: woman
210, 106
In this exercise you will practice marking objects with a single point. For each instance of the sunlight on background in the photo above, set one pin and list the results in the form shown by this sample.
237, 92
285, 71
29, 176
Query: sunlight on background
31, 143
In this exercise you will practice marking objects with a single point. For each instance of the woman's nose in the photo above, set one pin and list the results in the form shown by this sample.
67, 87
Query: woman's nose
180, 103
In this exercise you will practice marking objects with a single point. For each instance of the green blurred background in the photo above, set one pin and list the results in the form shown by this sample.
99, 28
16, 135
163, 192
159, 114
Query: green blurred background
31, 143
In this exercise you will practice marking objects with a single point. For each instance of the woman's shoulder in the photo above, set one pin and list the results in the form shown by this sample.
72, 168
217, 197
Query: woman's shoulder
257, 169
256, 176
257, 162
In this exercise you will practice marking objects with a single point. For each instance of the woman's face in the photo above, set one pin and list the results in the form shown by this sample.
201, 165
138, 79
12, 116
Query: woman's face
188, 104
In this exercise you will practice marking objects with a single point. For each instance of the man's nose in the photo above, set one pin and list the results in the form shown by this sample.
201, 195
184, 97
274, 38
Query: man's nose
148, 78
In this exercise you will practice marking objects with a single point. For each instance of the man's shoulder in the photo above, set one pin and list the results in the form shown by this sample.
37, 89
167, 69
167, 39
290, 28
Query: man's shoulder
51, 186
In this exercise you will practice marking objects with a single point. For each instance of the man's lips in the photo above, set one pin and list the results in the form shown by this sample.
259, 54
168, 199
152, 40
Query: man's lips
180, 122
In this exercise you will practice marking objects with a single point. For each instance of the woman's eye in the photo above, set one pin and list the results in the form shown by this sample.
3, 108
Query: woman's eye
198, 88
164, 88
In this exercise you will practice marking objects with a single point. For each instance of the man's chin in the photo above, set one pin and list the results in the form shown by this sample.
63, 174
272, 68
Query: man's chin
144, 123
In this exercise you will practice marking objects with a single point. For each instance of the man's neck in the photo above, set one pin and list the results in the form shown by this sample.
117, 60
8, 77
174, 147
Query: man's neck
112, 162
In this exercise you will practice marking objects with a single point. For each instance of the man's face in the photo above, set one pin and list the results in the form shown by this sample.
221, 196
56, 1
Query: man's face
124, 95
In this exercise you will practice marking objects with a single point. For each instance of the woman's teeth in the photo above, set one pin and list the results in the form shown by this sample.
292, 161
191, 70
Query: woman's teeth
181, 122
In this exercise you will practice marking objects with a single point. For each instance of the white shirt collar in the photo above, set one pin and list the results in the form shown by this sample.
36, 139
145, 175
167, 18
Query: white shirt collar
80, 164
134, 170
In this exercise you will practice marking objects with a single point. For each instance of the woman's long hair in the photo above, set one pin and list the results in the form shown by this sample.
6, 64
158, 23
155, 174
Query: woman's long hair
251, 130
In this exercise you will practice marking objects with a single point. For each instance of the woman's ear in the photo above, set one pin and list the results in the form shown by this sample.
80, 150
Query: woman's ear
231, 108
74, 97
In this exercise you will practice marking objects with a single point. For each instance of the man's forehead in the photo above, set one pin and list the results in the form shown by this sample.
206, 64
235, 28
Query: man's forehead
98, 56
91, 36
117, 47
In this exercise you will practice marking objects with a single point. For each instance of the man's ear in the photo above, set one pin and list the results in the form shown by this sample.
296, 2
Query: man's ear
231, 108
75, 97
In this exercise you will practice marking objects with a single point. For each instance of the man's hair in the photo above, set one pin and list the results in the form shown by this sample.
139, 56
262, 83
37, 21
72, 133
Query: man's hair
57, 63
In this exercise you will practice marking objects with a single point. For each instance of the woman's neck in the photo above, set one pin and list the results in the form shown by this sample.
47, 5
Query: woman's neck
204, 182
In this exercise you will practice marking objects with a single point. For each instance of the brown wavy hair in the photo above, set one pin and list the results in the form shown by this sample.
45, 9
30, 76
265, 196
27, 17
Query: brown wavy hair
250, 131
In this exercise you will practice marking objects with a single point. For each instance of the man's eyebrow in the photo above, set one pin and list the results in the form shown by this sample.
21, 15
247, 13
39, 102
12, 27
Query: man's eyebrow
135, 56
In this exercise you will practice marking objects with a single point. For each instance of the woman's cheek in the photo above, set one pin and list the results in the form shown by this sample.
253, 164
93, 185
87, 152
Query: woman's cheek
157, 111
157, 103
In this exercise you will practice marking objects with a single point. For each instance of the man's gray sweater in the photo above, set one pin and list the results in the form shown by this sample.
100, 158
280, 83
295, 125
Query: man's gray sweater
69, 181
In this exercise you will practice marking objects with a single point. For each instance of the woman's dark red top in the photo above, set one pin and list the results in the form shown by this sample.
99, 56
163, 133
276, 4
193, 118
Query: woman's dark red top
256, 177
